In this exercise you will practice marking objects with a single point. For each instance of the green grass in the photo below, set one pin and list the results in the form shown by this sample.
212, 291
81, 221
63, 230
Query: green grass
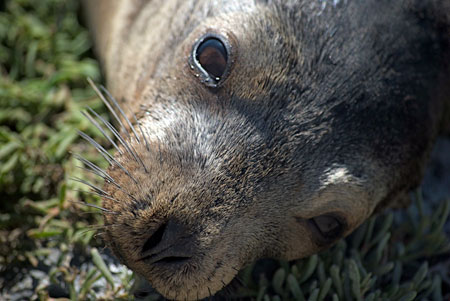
45, 58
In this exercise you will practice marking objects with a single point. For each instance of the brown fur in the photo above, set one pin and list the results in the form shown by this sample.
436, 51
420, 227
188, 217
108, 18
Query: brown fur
325, 109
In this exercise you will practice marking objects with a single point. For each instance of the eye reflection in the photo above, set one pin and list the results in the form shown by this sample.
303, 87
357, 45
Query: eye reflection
212, 56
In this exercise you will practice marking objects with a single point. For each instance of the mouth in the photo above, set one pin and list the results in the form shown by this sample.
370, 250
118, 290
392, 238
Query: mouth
183, 278
175, 260
165, 258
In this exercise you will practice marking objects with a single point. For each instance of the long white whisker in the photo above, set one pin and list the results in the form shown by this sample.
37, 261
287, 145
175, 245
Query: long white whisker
96, 194
105, 154
95, 188
116, 104
94, 206
97, 125
118, 136
108, 105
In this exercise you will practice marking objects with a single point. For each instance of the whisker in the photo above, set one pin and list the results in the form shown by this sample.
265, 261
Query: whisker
101, 232
97, 125
145, 140
118, 107
116, 104
92, 228
99, 148
93, 206
93, 172
97, 194
119, 137
112, 129
105, 154
96, 227
108, 105
99, 235
95, 188
96, 170
110, 226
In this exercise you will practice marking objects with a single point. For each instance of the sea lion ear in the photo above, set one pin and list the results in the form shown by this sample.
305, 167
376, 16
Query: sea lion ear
327, 228
210, 59
339, 201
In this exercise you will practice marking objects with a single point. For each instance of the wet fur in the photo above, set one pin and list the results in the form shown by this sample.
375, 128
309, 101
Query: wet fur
326, 109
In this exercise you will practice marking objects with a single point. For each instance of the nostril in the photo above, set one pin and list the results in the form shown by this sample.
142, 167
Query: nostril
171, 243
155, 239
173, 259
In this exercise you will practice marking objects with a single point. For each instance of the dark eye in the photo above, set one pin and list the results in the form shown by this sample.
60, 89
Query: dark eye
210, 56
327, 227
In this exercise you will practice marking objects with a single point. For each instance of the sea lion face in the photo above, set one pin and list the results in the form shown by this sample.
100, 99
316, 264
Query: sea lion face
275, 154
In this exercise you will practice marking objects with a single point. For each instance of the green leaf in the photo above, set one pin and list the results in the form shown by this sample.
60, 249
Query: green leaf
98, 261
355, 279
310, 268
278, 280
295, 288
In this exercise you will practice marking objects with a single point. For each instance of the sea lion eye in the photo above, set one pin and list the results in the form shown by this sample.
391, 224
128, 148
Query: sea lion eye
327, 227
212, 56
210, 59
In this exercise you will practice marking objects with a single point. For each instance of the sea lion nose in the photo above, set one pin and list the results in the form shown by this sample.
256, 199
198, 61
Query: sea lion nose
170, 244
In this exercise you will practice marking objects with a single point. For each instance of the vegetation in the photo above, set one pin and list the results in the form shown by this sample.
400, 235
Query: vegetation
48, 246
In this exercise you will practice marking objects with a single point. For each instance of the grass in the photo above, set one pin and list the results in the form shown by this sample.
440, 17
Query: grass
48, 246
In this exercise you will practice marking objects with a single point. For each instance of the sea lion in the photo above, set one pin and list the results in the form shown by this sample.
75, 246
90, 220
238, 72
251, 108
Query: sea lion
261, 128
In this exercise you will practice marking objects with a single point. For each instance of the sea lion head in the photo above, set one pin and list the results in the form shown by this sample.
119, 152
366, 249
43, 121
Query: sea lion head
264, 133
